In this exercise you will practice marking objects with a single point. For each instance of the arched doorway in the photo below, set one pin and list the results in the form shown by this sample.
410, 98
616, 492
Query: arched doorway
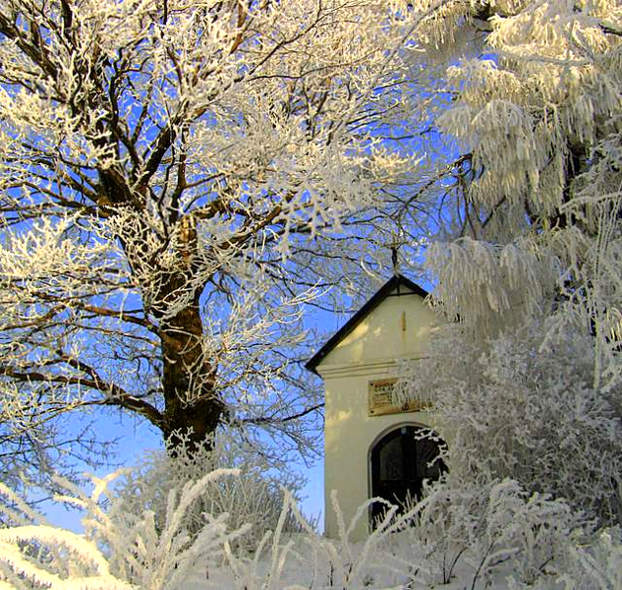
400, 461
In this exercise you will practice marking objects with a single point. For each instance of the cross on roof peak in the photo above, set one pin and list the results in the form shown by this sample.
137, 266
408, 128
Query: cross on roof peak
395, 246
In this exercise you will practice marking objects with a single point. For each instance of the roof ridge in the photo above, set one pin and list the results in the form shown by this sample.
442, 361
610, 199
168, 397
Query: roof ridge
378, 297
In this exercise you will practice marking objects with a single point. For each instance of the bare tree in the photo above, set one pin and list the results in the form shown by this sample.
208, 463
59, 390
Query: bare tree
164, 168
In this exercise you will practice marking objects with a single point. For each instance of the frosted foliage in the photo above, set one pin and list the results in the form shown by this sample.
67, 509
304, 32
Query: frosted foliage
523, 406
499, 531
120, 549
491, 526
538, 118
238, 87
254, 498
503, 283
488, 534
596, 566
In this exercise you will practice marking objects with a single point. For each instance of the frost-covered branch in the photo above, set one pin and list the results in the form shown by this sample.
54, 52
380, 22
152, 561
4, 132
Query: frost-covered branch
533, 221
164, 172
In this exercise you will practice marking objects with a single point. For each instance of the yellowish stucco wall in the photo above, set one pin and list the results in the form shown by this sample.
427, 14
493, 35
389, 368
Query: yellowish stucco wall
397, 329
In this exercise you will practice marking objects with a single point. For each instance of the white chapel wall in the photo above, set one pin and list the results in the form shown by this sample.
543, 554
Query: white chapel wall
398, 328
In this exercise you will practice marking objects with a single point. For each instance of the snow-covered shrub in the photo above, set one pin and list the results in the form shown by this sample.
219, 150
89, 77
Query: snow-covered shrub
529, 532
472, 537
445, 527
524, 407
311, 561
120, 549
500, 536
597, 565
480, 530
255, 497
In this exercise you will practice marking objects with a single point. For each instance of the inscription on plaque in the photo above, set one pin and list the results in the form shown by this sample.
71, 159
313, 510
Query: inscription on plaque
381, 399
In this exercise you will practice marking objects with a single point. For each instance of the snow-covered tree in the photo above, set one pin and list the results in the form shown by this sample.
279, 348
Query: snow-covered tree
536, 126
164, 166
527, 246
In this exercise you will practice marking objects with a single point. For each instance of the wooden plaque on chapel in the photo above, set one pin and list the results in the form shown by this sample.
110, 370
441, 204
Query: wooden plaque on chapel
381, 399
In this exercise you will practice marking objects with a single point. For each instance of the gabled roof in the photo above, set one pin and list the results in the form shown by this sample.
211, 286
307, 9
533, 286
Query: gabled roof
395, 282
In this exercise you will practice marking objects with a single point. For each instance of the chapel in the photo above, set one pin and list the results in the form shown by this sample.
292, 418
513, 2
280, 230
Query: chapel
373, 446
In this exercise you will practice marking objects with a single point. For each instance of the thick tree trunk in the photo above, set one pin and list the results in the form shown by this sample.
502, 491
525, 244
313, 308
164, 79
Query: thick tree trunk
191, 406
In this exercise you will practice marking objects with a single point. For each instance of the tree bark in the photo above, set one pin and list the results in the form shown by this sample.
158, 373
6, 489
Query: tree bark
192, 408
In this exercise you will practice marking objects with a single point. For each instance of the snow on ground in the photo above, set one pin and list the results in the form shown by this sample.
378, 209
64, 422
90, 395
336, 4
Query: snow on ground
397, 566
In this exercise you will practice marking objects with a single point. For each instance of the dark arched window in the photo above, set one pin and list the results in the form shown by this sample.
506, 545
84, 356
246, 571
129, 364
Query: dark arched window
400, 461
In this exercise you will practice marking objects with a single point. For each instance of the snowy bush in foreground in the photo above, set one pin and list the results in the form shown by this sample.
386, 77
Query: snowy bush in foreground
598, 565
120, 548
492, 534
253, 498
34, 554
484, 531
309, 560
475, 537
523, 406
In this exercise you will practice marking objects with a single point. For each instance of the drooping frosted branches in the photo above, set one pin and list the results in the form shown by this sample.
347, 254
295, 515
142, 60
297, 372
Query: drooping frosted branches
536, 192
